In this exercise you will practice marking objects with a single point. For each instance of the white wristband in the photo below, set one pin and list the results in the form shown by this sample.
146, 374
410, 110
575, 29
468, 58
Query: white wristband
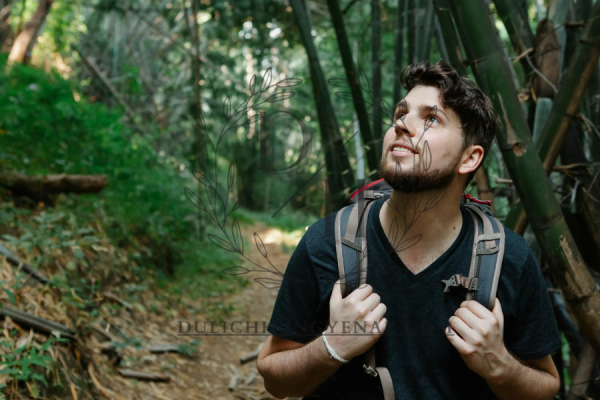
332, 353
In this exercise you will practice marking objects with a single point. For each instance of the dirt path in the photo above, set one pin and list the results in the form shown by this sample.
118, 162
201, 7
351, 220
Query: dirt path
256, 301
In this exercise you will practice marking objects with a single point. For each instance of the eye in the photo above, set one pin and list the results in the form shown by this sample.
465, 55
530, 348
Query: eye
433, 119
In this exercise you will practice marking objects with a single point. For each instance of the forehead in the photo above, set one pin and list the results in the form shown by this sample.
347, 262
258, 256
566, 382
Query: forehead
427, 95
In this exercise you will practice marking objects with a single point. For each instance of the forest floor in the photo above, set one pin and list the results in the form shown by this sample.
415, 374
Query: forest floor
204, 375
208, 375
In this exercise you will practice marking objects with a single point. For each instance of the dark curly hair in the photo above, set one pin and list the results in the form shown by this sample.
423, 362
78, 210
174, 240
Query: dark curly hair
474, 109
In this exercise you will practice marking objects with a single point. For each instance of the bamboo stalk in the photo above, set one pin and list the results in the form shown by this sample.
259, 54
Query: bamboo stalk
451, 40
352, 76
491, 69
339, 172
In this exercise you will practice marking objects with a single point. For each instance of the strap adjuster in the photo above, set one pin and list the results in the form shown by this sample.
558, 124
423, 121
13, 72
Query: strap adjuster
370, 370
459, 280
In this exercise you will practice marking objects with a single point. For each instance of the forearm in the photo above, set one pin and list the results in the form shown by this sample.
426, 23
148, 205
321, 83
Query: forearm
298, 372
522, 382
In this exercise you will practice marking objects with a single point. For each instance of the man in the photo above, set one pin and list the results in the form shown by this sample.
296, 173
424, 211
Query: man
434, 344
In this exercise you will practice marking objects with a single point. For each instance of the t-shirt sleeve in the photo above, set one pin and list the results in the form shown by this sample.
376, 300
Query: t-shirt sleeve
295, 312
534, 333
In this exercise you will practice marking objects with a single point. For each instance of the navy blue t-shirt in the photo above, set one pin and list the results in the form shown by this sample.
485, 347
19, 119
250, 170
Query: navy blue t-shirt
421, 360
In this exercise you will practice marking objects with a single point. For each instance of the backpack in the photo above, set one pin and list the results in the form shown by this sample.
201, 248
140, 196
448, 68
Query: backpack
351, 246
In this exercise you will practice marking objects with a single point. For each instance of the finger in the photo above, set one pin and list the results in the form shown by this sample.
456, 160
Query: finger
361, 293
377, 313
380, 326
477, 308
460, 327
456, 341
467, 316
372, 301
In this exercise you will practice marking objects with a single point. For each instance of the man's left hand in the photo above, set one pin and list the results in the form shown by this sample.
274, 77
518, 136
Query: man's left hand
480, 343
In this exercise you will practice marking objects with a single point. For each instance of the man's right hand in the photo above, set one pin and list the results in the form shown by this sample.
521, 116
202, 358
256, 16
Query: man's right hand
361, 309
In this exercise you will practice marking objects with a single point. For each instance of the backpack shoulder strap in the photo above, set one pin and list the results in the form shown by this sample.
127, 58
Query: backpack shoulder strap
486, 260
351, 245
351, 249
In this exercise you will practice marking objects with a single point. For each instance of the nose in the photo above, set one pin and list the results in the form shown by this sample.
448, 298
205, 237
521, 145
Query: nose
405, 126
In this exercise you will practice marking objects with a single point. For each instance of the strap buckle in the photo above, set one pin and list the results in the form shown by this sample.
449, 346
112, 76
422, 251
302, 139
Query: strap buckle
370, 370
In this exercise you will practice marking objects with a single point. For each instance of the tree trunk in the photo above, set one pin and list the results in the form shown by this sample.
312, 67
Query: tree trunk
197, 105
484, 190
410, 25
482, 42
399, 49
424, 28
5, 29
566, 104
369, 139
450, 38
376, 70
340, 177
583, 373
516, 22
24, 42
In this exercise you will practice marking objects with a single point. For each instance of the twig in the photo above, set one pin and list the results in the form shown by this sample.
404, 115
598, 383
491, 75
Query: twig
116, 299
15, 261
106, 392
36, 323
235, 378
144, 376
251, 356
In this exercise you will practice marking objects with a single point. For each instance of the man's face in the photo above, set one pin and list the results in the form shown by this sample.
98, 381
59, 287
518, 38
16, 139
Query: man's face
434, 139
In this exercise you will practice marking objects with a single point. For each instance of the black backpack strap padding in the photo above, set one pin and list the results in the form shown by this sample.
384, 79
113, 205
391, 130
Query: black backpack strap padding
351, 251
351, 247
488, 250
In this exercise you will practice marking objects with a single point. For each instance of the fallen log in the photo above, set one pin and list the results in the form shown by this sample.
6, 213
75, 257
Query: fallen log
38, 324
39, 188
144, 376
15, 261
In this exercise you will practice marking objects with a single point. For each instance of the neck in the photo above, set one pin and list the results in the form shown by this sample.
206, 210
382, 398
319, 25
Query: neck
434, 215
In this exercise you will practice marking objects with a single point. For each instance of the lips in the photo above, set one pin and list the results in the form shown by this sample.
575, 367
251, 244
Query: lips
401, 149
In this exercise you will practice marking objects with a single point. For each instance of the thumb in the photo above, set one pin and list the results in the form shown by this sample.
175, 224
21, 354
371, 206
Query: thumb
336, 293
497, 311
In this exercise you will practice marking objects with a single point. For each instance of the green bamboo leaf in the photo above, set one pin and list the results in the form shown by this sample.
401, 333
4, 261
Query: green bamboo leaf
11, 296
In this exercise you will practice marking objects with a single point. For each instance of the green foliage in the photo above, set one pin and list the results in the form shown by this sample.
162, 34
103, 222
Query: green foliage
46, 131
24, 365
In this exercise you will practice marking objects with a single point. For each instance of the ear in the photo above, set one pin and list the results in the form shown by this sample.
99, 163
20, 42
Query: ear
472, 157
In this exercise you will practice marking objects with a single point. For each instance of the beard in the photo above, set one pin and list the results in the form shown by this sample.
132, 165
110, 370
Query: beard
418, 180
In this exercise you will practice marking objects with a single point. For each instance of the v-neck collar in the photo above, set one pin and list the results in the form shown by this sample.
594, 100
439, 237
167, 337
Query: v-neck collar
397, 261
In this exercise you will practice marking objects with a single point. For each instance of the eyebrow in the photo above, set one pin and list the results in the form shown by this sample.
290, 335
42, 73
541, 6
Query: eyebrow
425, 107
